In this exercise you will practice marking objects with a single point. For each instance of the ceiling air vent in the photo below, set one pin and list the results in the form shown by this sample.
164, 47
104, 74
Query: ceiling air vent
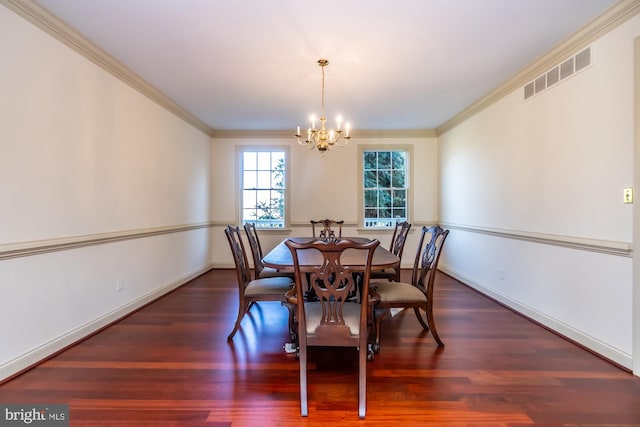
566, 69
553, 76
583, 59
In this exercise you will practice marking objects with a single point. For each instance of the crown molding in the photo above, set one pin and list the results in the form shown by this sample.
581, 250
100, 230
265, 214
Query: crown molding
49, 23
609, 20
252, 134
359, 134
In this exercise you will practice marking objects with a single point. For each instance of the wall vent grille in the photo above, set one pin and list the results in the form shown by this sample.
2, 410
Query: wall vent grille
566, 69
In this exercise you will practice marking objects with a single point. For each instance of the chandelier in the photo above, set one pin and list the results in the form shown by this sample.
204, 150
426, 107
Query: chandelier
324, 139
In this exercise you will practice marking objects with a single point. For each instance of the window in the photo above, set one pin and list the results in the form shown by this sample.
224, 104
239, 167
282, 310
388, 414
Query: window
385, 187
263, 187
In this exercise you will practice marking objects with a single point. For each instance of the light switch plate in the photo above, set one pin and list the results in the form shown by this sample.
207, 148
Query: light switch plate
628, 195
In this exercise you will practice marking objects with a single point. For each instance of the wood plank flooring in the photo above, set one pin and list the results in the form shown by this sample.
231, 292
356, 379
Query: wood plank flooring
169, 364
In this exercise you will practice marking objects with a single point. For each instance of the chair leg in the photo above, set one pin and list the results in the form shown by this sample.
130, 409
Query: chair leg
362, 381
430, 322
292, 324
304, 409
378, 315
242, 309
425, 324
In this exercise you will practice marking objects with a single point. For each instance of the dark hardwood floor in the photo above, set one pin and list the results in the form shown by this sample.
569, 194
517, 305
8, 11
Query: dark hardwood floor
170, 364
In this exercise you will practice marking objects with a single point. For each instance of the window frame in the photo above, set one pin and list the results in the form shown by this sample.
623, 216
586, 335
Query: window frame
408, 149
240, 150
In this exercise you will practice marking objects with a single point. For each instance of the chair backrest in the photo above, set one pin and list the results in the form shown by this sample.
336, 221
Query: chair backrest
239, 255
399, 238
427, 256
326, 230
325, 322
256, 248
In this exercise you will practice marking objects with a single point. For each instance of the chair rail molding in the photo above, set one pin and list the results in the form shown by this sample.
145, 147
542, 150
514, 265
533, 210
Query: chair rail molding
36, 247
593, 245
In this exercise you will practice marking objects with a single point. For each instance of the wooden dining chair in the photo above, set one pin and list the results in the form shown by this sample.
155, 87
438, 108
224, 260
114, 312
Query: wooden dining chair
260, 271
333, 320
419, 293
252, 291
400, 233
326, 230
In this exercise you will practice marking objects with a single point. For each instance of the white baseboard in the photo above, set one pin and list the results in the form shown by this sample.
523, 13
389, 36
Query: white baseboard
621, 358
49, 348
224, 266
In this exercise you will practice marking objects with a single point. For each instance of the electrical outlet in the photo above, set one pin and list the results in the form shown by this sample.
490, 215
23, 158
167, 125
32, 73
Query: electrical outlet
628, 195
119, 284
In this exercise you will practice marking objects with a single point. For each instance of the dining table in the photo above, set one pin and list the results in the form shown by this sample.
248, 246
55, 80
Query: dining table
280, 257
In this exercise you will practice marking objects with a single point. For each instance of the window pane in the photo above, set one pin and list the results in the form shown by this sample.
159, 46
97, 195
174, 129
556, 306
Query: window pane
370, 179
249, 199
370, 198
277, 160
398, 159
250, 179
384, 160
264, 179
399, 198
250, 161
263, 197
277, 179
384, 179
397, 179
277, 200
384, 198
399, 214
249, 215
370, 160
264, 160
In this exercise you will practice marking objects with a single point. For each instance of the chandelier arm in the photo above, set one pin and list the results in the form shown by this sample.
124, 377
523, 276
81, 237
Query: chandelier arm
341, 142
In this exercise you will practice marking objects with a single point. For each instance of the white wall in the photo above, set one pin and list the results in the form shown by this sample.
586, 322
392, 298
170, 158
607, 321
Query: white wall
83, 156
552, 166
321, 187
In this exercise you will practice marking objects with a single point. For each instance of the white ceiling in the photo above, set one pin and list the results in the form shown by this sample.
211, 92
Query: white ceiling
394, 64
